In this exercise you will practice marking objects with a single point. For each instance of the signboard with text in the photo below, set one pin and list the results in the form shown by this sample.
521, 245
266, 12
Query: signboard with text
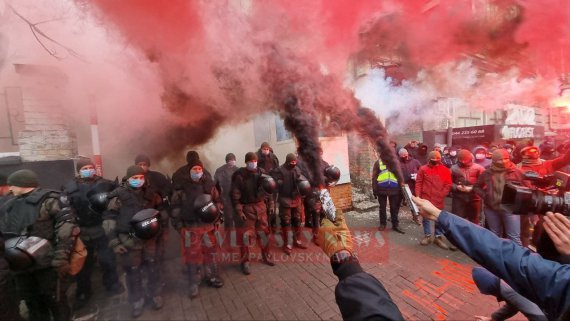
476, 135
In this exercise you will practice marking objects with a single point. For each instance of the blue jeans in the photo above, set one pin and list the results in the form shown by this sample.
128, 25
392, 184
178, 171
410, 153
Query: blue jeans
499, 221
427, 228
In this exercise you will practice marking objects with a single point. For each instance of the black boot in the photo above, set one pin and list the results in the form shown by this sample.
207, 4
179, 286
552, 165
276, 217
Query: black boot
212, 276
297, 239
267, 257
193, 280
245, 268
135, 289
137, 308
288, 240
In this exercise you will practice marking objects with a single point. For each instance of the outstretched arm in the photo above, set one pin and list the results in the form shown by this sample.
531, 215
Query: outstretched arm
544, 282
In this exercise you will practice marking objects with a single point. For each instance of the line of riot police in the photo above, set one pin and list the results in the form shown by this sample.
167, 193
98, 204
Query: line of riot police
126, 223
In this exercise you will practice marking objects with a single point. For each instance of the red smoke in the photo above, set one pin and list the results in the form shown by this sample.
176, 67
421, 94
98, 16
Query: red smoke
221, 63
546, 30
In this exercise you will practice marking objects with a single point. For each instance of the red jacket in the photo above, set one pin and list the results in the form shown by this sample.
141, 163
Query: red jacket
433, 183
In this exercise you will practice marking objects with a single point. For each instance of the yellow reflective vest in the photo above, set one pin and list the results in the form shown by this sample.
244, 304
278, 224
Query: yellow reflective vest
386, 179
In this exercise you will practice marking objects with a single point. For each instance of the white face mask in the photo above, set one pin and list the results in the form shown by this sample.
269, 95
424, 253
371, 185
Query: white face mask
480, 156
232, 163
453, 153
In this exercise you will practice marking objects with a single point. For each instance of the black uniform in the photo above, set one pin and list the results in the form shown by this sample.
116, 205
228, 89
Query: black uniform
289, 200
9, 303
268, 163
93, 236
141, 257
249, 199
41, 213
199, 240
161, 185
223, 179
312, 204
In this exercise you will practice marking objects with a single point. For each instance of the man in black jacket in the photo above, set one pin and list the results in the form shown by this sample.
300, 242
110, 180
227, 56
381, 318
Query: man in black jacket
287, 177
223, 180
9, 303
250, 202
44, 215
161, 185
267, 161
92, 233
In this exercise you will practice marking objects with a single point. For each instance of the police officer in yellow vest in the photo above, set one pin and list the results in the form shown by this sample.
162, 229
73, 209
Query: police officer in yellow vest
385, 187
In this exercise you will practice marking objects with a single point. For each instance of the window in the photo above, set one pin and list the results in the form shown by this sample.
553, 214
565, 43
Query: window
281, 131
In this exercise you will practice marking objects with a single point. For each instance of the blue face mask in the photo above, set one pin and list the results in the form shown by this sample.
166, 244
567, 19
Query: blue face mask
87, 173
196, 176
136, 183
251, 165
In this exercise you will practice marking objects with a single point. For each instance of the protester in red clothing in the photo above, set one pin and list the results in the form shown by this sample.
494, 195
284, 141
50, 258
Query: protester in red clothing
532, 161
433, 183
464, 174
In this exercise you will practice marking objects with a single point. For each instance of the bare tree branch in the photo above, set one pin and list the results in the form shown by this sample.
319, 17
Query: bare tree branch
41, 37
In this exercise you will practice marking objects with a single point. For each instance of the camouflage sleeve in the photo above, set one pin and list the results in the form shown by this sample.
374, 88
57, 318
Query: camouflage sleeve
216, 198
176, 200
110, 221
65, 224
235, 193
176, 208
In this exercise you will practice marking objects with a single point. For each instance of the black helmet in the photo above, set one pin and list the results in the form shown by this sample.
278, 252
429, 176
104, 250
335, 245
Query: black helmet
332, 175
23, 252
97, 196
205, 208
304, 187
145, 223
268, 184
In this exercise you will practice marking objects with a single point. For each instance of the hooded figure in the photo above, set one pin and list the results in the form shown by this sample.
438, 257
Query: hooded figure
423, 154
480, 153
433, 183
288, 176
449, 158
223, 180
490, 186
548, 150
386, 187
464, 174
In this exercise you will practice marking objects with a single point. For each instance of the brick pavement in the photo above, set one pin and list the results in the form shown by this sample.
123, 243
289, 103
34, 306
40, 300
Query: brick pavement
426, 283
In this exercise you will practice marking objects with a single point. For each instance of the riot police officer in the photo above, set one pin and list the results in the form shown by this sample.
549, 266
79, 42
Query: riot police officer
268, 161
137, 255
199, 194
287, 177
45, 229
223, 180
92, 233
312, 204
250, 201
161, 185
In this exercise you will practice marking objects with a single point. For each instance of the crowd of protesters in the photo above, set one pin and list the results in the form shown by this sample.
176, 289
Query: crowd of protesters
475, 181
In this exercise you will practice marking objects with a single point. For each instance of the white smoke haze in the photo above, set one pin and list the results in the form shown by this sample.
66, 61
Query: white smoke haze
415, 99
